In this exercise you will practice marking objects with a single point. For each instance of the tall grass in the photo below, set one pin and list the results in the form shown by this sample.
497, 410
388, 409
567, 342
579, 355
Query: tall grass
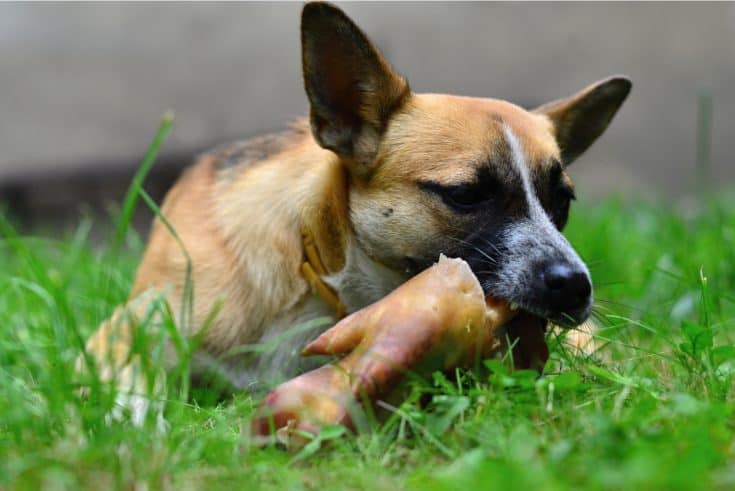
651, 410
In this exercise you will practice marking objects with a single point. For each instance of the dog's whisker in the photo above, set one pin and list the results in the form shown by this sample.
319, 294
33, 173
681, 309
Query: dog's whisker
474, 247
490, 244
619, 304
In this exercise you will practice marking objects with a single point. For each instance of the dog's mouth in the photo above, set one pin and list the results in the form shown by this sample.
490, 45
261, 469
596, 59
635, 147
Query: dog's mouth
563, 319
535, 303
524, 336
526, 306
519, 317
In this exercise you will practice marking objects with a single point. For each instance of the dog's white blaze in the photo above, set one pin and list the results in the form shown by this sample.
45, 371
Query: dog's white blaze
535, 211
519, 162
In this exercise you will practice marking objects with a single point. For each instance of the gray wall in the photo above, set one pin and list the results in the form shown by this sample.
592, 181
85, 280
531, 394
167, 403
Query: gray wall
82, 86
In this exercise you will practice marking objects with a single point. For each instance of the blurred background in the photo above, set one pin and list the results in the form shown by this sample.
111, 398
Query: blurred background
83, 87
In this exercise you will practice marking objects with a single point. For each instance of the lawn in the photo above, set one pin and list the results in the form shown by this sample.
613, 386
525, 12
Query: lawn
652, 409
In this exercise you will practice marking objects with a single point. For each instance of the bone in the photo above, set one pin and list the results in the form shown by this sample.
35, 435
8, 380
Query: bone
438, 320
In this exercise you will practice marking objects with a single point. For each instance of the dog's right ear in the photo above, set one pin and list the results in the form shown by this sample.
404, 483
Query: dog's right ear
352, 90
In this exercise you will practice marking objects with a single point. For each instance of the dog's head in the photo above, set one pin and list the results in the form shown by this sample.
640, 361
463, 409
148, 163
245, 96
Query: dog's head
481, 179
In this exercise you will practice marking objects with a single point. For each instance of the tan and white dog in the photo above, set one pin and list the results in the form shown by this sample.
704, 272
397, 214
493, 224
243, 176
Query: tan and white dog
351, 203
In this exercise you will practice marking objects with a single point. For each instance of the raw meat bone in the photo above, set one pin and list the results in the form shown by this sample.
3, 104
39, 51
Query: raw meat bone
438, 320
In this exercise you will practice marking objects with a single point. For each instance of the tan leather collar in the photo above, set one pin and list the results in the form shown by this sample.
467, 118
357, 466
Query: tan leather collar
313, 269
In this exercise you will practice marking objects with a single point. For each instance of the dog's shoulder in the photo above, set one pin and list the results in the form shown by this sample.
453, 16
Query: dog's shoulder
230, 159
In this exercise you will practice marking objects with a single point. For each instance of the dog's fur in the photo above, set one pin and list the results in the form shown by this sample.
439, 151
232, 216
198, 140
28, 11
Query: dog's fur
385, 180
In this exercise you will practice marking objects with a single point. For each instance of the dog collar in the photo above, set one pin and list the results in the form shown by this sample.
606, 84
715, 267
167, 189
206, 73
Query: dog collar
313, 269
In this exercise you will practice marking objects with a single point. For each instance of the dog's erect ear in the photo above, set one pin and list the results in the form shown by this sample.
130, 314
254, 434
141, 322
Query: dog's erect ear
580, 119
353, 91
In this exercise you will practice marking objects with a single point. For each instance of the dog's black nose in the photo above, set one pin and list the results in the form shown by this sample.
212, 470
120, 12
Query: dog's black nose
569, 288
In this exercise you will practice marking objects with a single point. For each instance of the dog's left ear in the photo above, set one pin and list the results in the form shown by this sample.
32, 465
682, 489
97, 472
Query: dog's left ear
353, 91
578, 120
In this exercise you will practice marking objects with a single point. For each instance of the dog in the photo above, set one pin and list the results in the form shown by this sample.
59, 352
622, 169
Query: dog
337, 211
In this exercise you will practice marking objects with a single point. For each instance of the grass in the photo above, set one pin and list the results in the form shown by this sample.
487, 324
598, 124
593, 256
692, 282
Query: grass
653, 409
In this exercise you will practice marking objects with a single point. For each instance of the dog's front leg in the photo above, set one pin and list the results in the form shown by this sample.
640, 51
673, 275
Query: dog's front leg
113, 355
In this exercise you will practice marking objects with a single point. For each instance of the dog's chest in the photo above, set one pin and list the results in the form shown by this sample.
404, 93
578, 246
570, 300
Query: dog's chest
276, 356
363, 281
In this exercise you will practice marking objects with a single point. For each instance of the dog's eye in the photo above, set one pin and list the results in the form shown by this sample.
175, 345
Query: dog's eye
465, 195
462, 197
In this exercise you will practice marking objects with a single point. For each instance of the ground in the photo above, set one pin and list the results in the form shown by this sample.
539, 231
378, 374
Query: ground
652, 409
